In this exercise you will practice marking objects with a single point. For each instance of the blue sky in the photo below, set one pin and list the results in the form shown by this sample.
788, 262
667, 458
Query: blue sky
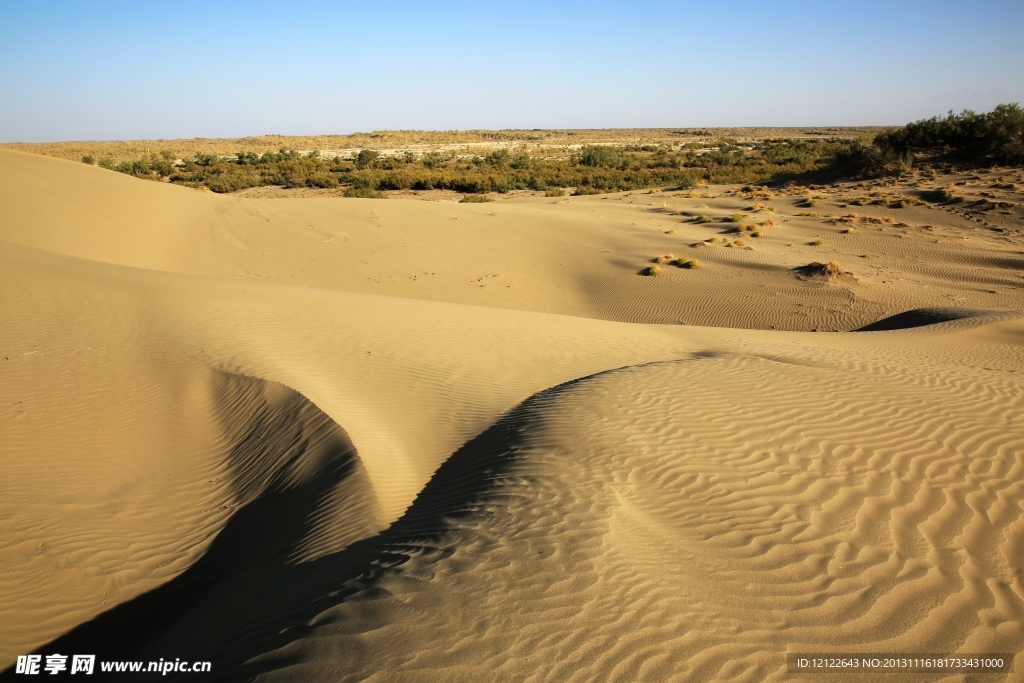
79, 71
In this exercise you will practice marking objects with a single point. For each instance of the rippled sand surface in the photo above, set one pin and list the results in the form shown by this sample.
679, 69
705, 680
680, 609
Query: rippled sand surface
332, 439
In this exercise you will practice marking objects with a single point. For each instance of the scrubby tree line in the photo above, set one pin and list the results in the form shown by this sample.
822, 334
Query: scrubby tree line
995, 137
967, 138
593, 169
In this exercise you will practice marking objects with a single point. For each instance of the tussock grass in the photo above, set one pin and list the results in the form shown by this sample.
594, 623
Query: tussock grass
815, 270
475, 199
651, 270
816, 242
736, 217
688, 263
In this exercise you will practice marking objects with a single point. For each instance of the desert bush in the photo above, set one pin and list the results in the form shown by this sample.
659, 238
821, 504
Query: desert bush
554, 192
816, 242
475, 199
364, 192
600, 155
688, 262
87, 159
366, 158
651, 270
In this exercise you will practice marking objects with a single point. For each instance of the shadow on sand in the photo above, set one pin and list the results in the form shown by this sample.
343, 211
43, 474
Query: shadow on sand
246, 596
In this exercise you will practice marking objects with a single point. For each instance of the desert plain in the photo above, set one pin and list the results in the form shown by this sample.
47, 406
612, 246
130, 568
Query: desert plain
659, 435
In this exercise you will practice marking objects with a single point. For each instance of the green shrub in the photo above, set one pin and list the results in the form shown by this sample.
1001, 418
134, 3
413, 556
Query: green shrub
366, 158
600, 155
87, 159
364, 192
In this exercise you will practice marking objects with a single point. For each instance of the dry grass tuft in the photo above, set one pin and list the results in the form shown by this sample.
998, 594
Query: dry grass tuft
888, 219
816, 242
736, 218
670, 231
664, 258
688, 263
827, 271
651, 270
768, 224
739, 243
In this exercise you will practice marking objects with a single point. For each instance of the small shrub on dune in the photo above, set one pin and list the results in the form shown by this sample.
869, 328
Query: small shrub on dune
817, 271
475, 199
651, 270
688, 263
364, 193
847, 231
702, 219
736, 218
739, 243
670, 231
554, 192
757, 233
87, 159
816, 242
888, 219
768, 224
665, 258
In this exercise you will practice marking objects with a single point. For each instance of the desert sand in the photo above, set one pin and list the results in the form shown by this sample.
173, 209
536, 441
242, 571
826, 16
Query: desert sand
403, 440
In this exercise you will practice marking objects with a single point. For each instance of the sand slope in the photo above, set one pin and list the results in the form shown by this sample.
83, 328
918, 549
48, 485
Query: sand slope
406, 440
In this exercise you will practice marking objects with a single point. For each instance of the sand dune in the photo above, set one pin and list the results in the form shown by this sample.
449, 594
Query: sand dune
407, 440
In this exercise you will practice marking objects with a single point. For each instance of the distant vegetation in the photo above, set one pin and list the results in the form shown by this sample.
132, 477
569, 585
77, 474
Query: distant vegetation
592, 169
589, 168
968, 138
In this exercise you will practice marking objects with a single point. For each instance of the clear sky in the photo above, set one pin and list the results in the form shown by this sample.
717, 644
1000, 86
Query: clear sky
94, 70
